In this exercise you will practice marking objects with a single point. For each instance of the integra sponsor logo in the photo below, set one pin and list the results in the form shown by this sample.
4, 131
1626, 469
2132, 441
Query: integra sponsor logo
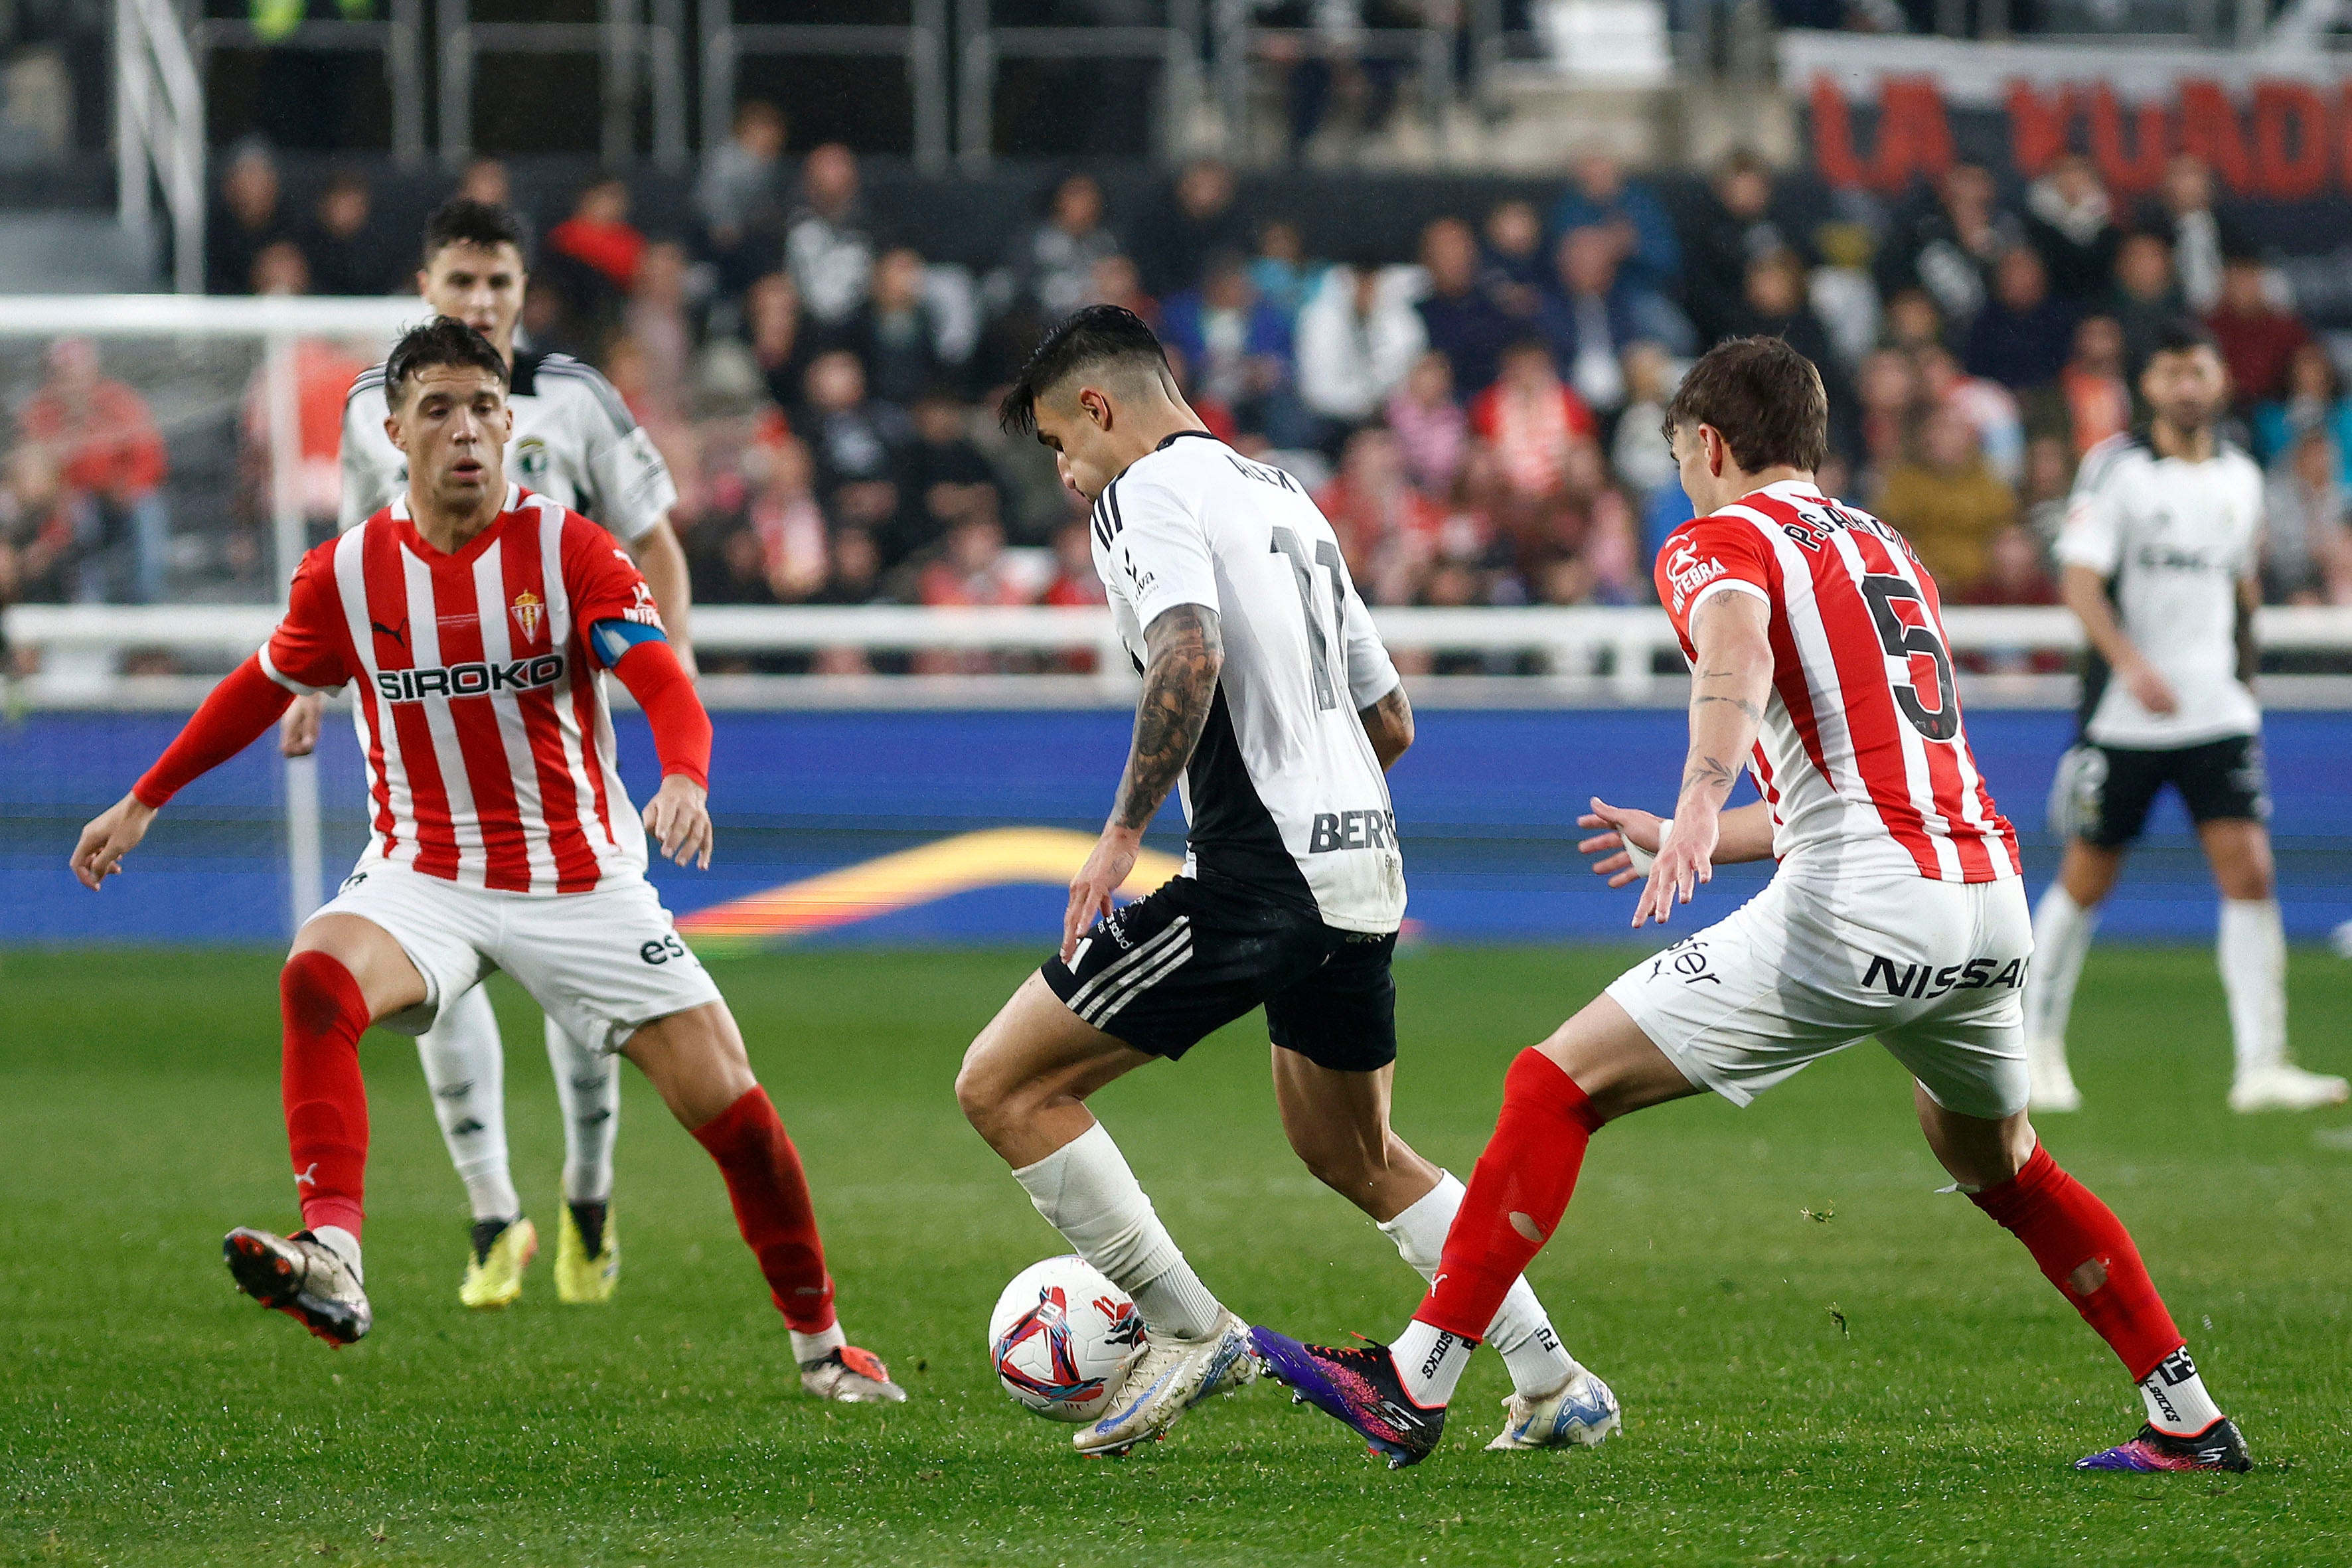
469, 680
1917, 980
1352, 830
1687, 573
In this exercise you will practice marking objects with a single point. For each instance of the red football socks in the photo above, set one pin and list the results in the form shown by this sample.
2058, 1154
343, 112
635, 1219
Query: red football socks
326, 1099
2083, 1249
1518, 1193
772, 1207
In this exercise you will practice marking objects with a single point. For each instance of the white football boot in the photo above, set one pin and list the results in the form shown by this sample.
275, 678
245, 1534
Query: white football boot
848, 1375
1167, 1379
301, 1277
2052, 1084
2282, 1085
1581, 1411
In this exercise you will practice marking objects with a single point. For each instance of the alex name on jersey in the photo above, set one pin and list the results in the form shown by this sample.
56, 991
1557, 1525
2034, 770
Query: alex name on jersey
481, 711
2172, 538
1863, 755
1283, 795
574, 442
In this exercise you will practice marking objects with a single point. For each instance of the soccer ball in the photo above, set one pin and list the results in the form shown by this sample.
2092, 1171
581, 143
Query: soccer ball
1060, 1337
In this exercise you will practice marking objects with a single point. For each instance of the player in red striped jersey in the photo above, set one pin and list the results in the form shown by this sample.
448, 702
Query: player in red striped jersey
1819, 662
477, 621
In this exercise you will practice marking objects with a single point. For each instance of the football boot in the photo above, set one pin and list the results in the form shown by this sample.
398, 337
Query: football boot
501, 1251
301, 1277
1360, 1386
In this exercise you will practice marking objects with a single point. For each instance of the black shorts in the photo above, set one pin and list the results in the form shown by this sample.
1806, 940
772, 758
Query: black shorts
1173, 967
2104, 793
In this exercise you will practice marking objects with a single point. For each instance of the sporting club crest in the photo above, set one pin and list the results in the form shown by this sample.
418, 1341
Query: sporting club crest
527, 609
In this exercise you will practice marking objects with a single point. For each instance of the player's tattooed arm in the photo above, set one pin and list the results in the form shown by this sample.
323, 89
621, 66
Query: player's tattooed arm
1387, 723
1179, 684
1732, 679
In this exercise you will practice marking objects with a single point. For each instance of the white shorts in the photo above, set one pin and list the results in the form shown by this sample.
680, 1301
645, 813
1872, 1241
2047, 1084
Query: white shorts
602, 964
1935, 969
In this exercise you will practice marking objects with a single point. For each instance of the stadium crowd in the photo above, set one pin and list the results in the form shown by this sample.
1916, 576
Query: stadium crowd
1480, 421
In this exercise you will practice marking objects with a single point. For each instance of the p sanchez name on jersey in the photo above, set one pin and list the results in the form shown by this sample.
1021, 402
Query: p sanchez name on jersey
574, 442
1284, 793
2172, 538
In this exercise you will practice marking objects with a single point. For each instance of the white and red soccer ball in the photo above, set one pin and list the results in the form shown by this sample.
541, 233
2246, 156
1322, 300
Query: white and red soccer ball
1061, 1337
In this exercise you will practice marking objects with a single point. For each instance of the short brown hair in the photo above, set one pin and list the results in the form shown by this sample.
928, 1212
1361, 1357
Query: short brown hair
1763, 397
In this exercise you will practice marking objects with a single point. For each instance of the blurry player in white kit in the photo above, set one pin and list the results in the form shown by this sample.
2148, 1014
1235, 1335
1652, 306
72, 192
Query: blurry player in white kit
477, 621
1818, 663
1269, 698
2161, 552
574, 442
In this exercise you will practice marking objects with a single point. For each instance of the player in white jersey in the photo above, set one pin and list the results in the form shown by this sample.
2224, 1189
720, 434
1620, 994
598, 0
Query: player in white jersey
2162, 557
576, 442
1268, 699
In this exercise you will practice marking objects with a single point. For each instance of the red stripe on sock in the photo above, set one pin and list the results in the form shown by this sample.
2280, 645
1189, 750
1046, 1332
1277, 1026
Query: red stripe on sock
2085, 1250
324, 1014
772, 1209
1518, 1193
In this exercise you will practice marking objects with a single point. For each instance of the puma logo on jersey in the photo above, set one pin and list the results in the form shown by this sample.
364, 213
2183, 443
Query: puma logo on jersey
477, 679
1919, 980
397, 634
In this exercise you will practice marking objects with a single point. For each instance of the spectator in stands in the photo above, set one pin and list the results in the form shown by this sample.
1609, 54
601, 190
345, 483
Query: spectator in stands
2200, 239
2020, 337
1775, 305
36, 536
782, 342
969, 569
739, 197
111, 463
1912, 322
943, 479
2256, 338
1990, 408
1051, 267
1733, 222
1599, 195
656, 318
1462, 320
1638, 452
2070, 223
1432, 431
280, 269
2311, 399
1115, 280
1512, 262
2049, 480
2091, 400
1387, 528
1596, 314
1075, 584
247, 221
854, 440
1239, 349
485, 179
1537, 427
788, 523
1176, 237
599, 234
1357, 338
1888, 390
1946, 238
829, 245
1947, 500
2014, 574
347, 252
855, 579
2306, 534
323, 372
896, 332
1280, 270
2145, 299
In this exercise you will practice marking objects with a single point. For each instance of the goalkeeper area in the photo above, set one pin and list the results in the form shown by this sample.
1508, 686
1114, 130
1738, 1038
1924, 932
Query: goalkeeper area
1820, 1360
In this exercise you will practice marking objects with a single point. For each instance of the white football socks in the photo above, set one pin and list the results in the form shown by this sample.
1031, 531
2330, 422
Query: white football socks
465, 1063
1430, 1361
2062, 938
2251, 946
1521, 1334
807, 1347
2175, 1397
588, 1087
1086, 1190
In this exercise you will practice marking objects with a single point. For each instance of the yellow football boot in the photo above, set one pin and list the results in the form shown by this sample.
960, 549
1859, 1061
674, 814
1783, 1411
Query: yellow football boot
583, 1277
494, 1269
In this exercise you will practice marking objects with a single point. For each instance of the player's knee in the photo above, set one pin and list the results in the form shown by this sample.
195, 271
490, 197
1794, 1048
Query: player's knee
314, 990
982, 1091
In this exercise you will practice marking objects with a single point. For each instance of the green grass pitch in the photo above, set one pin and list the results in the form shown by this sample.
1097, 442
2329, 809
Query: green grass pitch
1822, 1361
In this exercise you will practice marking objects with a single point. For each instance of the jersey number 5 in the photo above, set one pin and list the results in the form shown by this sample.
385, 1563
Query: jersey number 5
1907, 642
1326, 555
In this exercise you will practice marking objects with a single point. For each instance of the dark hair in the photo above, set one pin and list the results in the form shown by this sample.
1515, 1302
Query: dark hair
443, 340
461, 220
1763, 397
1096, 335
2181, 334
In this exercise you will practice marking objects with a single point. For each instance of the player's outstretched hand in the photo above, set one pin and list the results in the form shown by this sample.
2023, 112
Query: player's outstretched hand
1688, 860
678, 817
1104, 874
111, 834
1625, 826
298, 732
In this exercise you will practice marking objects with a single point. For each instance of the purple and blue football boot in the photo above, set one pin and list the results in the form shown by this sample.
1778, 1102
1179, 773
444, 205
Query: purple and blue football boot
2218, 1448
1359, 1385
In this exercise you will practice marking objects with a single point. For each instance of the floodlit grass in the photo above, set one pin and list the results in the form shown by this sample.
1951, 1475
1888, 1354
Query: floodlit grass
1820, 1360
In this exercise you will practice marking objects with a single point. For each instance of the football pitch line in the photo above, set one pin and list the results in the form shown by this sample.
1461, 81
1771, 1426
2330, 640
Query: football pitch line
1821, 1359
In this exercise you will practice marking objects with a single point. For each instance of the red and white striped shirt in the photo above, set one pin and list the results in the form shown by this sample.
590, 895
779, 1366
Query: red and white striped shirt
481, 693
1861, 757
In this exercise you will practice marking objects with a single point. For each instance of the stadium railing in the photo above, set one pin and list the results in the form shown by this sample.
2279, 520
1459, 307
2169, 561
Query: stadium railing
621, 38
921, 44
